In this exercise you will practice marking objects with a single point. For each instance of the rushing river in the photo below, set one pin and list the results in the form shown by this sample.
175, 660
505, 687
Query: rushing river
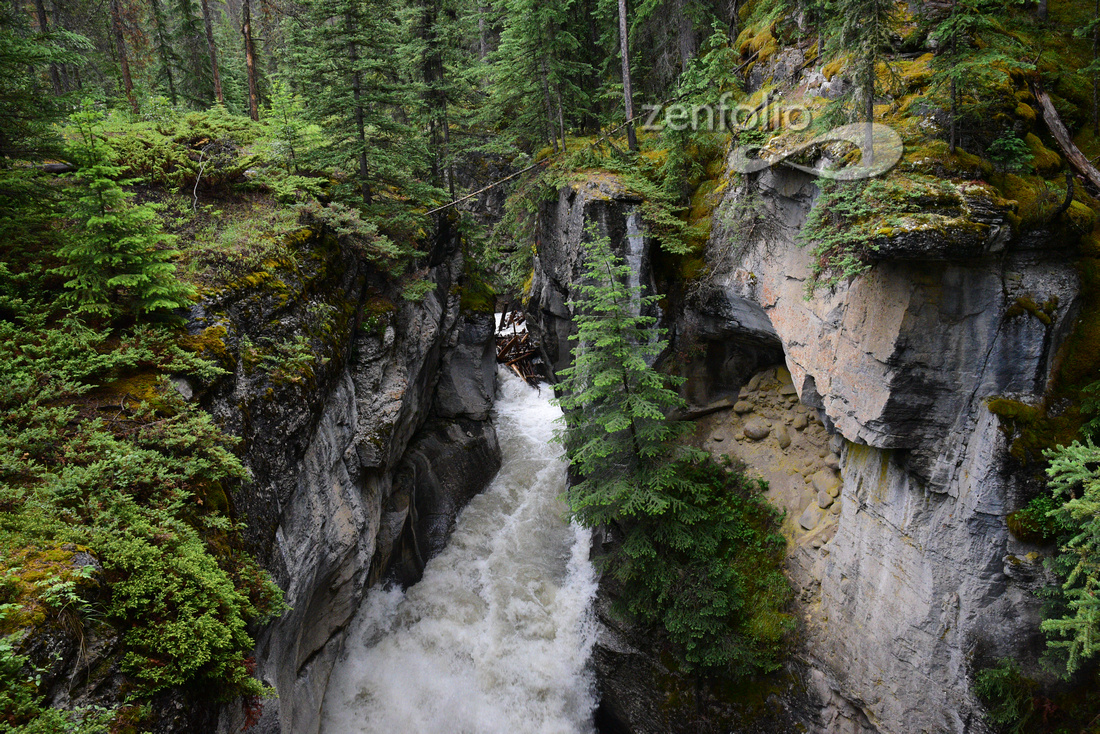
495, 639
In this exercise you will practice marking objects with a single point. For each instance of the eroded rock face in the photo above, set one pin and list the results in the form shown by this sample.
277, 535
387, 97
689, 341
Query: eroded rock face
606, 206
897, 522
900, 362
329, 449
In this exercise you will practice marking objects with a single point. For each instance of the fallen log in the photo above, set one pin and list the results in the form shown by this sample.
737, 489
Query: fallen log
520, 358
1073, 154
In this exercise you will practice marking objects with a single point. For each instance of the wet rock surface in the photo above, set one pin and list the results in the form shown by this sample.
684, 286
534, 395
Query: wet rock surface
355, 464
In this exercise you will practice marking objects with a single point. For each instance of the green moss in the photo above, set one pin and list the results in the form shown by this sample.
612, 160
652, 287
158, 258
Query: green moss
1045, 160
1026, 304
478, 298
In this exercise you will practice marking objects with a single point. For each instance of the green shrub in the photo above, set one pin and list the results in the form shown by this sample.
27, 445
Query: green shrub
1007, 695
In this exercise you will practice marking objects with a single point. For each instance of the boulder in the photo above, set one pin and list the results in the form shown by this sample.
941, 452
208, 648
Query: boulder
826, 481
811, 516
783, 435
756, 429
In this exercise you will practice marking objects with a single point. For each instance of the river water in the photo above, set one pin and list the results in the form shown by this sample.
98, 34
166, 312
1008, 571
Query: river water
496, 637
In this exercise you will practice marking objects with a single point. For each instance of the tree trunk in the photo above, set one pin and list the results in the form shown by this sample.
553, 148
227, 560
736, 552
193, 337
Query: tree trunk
954, 85
1058, 129
123, 61
1095, 56
161, 40
954, 115
551, 134
561, 115
869, 93
628, 95
268, 24
357, 94
686, 34
250, 60
1042, 9
734, 20
482, 32
44, 28
208, 22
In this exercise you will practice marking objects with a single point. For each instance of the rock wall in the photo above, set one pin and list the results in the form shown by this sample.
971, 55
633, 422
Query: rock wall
909, 584
341, 451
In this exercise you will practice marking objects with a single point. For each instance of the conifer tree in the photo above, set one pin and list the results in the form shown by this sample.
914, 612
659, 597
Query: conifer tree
535, 69
617, 435
208, 26
167, 58
1076, 481
344, 58
195, 80
1091, 30
114, 256
250, 60
864, 29
697, 542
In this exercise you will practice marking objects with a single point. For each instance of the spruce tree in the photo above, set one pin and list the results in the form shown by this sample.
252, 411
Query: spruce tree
864, 29
617, 435
345, 58
1091, 31
1075, 630
114, 256
699, 556
535, 72
195, 80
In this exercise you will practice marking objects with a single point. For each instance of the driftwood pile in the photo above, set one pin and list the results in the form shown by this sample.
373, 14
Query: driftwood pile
514, 348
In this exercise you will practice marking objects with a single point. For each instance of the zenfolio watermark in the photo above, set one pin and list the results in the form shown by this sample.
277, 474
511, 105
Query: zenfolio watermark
880, 146
726, 116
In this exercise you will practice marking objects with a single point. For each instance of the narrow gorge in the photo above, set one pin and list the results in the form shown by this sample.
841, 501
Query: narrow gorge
533, 367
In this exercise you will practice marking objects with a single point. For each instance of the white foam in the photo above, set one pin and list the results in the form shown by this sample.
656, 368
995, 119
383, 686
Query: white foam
496, 638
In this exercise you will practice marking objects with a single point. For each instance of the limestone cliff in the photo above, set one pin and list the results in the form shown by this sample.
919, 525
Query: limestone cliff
901, 569
351, 446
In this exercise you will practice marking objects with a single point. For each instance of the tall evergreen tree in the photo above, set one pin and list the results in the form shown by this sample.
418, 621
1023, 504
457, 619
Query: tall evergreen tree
628, 93
864, 30
208, 26
535, 73
250, 60
123, 56
1091, 30
697, 542
617, 436
344, 57
195, 79
167, 58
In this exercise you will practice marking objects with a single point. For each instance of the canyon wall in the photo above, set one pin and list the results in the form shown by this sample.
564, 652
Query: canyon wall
361, 447
914, 578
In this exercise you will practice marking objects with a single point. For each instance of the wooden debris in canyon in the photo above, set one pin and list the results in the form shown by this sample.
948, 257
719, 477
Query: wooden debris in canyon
514, 348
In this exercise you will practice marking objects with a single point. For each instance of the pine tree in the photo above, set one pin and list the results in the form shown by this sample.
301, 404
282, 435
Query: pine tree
167, 58
208, 26
344, 58
535, 70
864, 29
697, 541
250, 60
1076, 482
1091, 30
114, 260
195, 80
27, 109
